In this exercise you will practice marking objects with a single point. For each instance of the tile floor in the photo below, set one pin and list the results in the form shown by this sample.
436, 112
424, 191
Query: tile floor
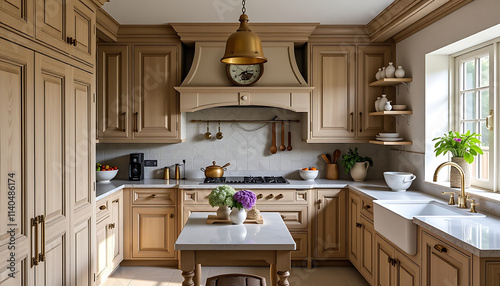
162, 276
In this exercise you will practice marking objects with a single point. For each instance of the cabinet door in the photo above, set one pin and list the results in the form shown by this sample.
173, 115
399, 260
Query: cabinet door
52, 82
384, 271
333, 101
354, 229
116, 229
51, 22
103, 233
81, 27
331, 224
367, 243
16, 173
407, 272
113, 92
443, 264
18, 14
369, 59
155, 99
153, 230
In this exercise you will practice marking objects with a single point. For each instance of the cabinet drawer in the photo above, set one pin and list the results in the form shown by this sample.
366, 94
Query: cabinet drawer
367, 207
282, 196
153, 196
301, 243
191, 197
101, 209
295, 217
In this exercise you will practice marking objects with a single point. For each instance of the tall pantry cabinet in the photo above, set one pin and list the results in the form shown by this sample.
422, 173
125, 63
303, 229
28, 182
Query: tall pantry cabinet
47, 113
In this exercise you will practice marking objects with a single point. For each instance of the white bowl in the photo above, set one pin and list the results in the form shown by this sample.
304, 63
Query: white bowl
309, 175
389, 135
399, 181
105, 176
399, 107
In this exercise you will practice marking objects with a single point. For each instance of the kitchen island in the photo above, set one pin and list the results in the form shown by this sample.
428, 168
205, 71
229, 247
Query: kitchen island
201, 243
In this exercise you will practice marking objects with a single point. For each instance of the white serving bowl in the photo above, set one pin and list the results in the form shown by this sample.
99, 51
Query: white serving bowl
399, 107
389, 135
399, 181
309, 175
105, 176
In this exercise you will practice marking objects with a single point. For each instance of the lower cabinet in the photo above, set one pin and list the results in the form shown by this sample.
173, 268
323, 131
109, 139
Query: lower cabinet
109, 235
393, 268
443, 264
330, 224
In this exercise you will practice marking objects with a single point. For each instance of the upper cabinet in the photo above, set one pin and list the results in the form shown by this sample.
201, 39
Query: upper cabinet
342, 98
67, 25
137, 100
18, 14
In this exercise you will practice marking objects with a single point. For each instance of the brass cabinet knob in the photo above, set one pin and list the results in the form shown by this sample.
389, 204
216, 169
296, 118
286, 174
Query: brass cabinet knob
280, 196
112, 225
440, 248
270, 196
366, 207
103, 207
260, 196
153, 196
172, 215
358, 225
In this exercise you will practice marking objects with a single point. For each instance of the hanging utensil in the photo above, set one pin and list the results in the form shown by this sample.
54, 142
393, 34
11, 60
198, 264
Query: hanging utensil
219, 134
325, 158
208, 135
336, 156
289, 148
273, 148
282, 146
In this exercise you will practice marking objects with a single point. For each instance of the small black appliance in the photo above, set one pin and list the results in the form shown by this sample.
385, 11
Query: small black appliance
136, 167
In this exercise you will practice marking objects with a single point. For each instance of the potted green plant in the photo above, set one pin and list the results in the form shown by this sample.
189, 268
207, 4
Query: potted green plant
222, 197
356, 165
463, 149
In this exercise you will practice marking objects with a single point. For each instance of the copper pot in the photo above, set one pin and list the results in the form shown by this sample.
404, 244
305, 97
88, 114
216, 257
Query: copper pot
214, 171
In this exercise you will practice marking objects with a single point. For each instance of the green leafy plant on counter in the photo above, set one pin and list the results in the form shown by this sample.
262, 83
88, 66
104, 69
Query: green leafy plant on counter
222, 196
459, 145
353, 157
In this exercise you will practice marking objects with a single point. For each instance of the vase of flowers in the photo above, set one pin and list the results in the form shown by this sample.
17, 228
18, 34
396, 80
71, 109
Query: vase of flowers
242, 201
222, 197
463, 148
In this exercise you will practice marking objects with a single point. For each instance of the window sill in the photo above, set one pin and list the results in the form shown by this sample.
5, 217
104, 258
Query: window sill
474, 192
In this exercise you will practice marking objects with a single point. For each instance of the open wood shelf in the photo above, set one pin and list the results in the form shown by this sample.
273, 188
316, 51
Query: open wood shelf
392, 143
392, 112
390, 81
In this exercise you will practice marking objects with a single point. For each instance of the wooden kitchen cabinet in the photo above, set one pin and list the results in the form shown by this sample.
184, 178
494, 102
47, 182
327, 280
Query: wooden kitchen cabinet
443, 264
392, 267
150, 224
330, 224
151, 112
18, 15
342, 99
361, 237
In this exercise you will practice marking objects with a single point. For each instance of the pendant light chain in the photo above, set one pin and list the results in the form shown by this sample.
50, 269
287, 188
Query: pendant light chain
244, 9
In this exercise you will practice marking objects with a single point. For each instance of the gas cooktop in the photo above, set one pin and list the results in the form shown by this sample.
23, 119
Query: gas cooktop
247, 180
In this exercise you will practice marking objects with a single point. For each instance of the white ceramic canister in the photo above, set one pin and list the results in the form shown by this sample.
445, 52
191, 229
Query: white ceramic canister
377, 75
377, 108
400, 72
381, 103
382, 73
389, 71
388, 106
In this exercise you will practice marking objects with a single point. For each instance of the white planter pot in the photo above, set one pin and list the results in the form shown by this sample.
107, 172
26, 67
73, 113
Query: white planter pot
359, 171
238, 216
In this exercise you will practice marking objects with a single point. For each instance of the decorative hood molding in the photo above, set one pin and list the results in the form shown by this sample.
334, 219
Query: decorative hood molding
281, 85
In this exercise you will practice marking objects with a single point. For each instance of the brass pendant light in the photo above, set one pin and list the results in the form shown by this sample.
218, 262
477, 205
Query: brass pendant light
243, 47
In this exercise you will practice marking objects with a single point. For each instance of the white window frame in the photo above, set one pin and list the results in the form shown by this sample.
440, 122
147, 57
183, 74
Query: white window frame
456, 105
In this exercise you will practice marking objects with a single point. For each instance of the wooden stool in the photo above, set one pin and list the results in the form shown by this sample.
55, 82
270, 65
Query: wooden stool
236, 280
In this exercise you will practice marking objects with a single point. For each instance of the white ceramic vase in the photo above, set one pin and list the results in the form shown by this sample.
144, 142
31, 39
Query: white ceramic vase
238, 216
223, 212
400, 72
389, 71
455, 180
382, 73
381, 103
377, 75
377, 108
359, 171
388, 106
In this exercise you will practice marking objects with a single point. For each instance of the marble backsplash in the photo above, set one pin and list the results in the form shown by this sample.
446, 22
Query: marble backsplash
244, 145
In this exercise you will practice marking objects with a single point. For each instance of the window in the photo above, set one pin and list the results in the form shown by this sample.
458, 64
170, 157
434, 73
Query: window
473, 108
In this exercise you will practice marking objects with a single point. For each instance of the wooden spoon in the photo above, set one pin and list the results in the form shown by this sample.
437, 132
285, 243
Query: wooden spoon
282, 146
336, 156
325, 158
289, 148
274, 149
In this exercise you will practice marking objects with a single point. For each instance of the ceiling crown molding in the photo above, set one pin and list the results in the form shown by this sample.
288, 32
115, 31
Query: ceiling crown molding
338, 34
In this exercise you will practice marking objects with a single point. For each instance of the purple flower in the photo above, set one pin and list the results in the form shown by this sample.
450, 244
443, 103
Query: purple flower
244, 199
457, 139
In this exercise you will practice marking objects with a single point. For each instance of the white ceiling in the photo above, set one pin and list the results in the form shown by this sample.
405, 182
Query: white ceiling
326, 12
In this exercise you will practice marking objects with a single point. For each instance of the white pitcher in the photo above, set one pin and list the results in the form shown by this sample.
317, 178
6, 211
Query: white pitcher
359, 171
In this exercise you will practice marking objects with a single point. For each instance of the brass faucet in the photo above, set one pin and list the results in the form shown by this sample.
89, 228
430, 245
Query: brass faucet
462, 198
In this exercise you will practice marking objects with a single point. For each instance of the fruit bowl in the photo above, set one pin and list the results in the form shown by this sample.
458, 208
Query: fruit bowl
308, 175
105, 176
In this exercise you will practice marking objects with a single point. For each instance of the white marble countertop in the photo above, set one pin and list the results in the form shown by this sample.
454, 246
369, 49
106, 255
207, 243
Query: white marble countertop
271, 235
478, 235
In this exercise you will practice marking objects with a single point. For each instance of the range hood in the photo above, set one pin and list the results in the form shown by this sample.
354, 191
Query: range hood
207, 86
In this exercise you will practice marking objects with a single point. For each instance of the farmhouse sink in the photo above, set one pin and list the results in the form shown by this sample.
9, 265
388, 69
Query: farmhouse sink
394, 219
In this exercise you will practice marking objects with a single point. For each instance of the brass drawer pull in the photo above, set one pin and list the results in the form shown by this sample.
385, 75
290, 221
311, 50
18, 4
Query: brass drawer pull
112, 225
34, 224
358, 225
319, 203
260, 196
153, 196
352, 121
361, 122
280, 196
42, 242
115, 201
366, 207
135, 117
270, 196
124, 114
440, 248
103, 207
